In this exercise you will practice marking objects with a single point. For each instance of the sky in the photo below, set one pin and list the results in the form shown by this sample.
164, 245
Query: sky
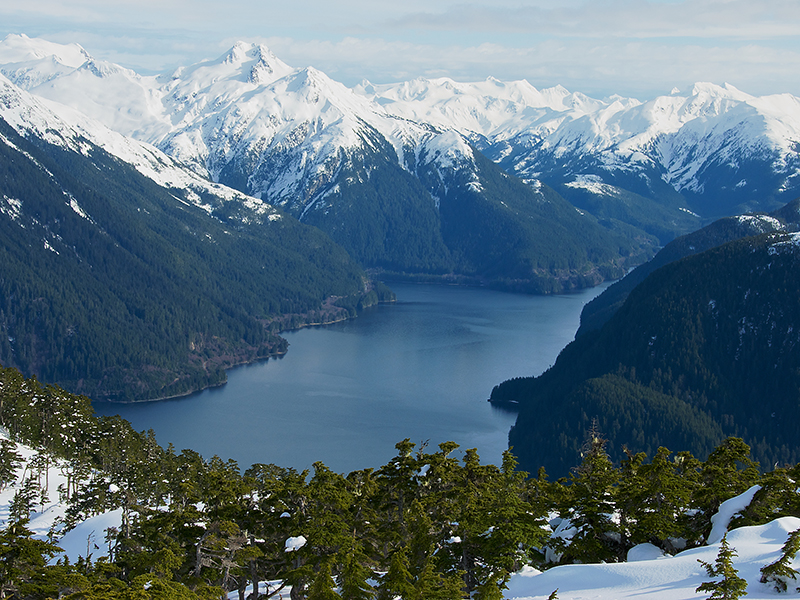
634, 48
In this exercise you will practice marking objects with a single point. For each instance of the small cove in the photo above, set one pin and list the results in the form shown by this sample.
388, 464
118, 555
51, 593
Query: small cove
346, 393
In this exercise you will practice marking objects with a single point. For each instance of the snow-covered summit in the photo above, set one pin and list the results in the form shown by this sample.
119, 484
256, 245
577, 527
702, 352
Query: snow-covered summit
68, 128
248, 112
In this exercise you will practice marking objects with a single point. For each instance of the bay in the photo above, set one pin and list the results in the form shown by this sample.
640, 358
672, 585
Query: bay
421, 368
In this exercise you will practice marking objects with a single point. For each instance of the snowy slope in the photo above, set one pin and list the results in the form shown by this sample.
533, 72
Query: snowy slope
244, 115
707, 138
665, 578
491, 109
50, 510
68, 128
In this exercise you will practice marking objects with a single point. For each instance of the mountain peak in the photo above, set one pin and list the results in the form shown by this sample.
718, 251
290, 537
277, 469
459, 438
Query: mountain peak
723, 91
102, 69
256, 62
19, 48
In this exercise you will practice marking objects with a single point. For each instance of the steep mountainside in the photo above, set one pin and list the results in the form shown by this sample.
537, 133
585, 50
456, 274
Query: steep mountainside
295, 138
396, 193
711, 150
119, 288
600, 310
703, 348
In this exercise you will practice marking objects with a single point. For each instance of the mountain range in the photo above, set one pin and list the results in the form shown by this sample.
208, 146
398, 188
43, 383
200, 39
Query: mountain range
397, 174
125, 286
399, 196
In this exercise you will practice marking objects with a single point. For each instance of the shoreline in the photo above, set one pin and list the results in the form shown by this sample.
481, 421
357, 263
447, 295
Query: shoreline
343, 315
339, 314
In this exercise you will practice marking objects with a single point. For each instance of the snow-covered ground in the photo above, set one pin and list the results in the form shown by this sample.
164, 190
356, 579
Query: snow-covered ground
49, 514
664, 578
648, 574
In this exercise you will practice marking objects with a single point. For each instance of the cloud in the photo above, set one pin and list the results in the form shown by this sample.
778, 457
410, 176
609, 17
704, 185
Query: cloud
641, 69
632, 47
741, 19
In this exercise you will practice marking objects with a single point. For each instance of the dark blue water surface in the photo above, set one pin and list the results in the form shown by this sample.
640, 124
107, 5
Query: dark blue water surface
346, 393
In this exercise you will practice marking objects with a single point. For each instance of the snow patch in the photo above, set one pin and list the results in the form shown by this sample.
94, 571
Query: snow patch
727, 510
294, 543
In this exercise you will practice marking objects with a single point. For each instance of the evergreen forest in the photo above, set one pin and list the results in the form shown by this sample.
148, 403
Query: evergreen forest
115, 287
431, 523
705, 348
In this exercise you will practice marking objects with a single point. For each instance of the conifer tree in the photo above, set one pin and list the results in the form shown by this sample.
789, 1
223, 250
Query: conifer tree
492, 588
10, 460
322, 586
651, 499
727, 471
779, 572
730, 586
591, 504
397, 582
354, 575
23, 560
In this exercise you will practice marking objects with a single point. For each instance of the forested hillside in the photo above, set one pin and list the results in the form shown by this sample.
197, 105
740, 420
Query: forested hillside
599, 310
428, 524
704, 348
118, 288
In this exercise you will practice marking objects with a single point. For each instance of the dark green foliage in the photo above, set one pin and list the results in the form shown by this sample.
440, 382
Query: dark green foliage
780, 572
116, 287
442, 226
704, 348
653, 499
383, 216
590, 504
23, 561
619, 208
9, 461
728, 471
597, 312
322, 588
528, 240
777, 497
426, 525
730, 586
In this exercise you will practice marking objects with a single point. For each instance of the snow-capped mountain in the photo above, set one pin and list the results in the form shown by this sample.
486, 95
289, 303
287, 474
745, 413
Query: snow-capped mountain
388, 170
398, 194
104, 235
71, 130
719, 148
281, 132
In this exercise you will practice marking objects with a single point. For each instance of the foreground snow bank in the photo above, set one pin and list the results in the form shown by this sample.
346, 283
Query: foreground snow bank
673, 578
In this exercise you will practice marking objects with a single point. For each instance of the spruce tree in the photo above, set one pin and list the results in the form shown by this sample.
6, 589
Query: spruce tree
730, 586
355, 574
591, 504
651, 499
322, 587
10, 460
398, 580
779, 572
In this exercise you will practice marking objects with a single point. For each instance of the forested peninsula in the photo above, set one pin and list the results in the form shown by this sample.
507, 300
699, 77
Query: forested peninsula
705, 347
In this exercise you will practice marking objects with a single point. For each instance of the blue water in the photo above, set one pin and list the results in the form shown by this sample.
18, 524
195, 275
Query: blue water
346, 393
